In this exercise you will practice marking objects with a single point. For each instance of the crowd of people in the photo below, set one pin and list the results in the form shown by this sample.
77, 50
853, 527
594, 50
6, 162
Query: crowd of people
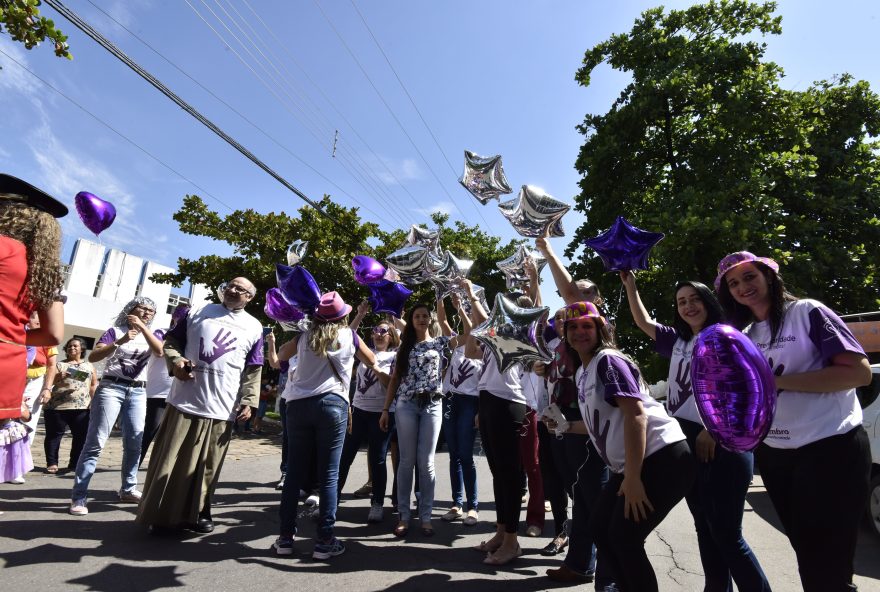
580, 427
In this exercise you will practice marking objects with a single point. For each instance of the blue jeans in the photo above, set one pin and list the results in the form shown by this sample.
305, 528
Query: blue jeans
418, 429
459, 412
716, 502
112, 400
315, 430
365, 426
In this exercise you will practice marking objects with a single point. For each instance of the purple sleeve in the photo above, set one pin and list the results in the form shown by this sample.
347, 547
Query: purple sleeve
355, 339
285, 366
255, 356
159, 334
619, 377
108, 337
179, 332
666, 337
830, 334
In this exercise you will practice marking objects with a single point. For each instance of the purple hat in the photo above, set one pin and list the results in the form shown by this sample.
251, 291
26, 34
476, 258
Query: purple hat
582, 310
738, 258
332, 307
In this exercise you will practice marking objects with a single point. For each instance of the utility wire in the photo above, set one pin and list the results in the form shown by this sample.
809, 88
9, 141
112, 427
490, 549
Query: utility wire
119, 133
106, 44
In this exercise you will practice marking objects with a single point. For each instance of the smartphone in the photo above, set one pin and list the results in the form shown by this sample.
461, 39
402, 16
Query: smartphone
266, 331
188, 367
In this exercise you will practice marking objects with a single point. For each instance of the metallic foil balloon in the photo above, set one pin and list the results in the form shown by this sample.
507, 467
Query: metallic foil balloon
446, 276
279, 309
623, 247
424, 237
367, 270
409, 263
514, 267
388, 297
300, 326
484, 177
298, 287
95, 213
513, 334
391, 275
733, 386
296, 251
533, 211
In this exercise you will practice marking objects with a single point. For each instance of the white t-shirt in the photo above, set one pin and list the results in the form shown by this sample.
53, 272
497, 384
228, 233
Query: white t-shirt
288, 367
810, 335
463, 374
220, 343
158, 379
129, 360
315, 375
610, 375
369, 394
507, 385
680, 401
535, 391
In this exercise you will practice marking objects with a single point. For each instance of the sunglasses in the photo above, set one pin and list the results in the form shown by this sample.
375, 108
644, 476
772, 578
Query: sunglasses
380, 331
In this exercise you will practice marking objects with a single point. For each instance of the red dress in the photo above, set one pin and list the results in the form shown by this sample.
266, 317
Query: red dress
14, 313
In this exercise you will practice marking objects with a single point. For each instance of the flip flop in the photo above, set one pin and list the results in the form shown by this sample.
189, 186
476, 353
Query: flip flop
52, 470
491, 559
485, 547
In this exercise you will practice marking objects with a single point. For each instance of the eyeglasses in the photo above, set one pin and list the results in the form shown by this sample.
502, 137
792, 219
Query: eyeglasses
144, 310
380, 331
238, 290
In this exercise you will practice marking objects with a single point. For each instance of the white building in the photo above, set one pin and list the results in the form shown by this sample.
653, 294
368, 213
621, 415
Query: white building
100, 281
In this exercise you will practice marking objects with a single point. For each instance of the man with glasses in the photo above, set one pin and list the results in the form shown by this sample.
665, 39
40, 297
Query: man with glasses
127, 347
216, 356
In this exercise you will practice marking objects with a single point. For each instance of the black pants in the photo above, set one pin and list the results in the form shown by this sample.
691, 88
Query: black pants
667, 476
57, 422
819, 492
501, 422
155, 412
554, 490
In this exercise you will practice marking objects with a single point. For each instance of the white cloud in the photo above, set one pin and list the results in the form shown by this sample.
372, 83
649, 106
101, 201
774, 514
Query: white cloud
13, 77
444, 207
392, 171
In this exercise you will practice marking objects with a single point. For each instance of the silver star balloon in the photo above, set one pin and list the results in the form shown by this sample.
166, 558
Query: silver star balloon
409, 263
296, 251
451, 269
479, 292
424, 237
533, 211
484, 177
513, 334
514, 267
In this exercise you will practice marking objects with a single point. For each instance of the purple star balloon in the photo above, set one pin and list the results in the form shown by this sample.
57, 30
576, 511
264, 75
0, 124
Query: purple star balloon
95, 213
298, 287
386, 296
623, 247
279, 309
367, 270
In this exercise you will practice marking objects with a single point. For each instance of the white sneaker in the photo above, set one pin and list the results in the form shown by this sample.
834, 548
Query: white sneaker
472, 518
132, 496
78, 507
312, 500
18, 480
377, 513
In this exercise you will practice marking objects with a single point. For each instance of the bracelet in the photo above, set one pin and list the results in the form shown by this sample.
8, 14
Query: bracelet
46, 389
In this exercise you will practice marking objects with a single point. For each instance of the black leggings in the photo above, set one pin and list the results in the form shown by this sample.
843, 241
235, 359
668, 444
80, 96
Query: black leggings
667, 476
57, 421
554, 489
819, 492
155, 412
501, 423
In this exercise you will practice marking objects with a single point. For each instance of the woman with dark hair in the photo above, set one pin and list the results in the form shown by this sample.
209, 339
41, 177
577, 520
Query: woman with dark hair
651, 465
416, 384
717, 498
68, 405
816, 460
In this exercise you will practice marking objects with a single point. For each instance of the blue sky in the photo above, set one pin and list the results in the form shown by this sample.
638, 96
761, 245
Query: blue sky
493, 77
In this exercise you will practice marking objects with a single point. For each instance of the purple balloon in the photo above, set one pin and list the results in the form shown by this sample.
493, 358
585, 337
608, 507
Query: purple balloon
95, 213
367, 270
298, 287
733, 386
386, 296
623, 247
279, 309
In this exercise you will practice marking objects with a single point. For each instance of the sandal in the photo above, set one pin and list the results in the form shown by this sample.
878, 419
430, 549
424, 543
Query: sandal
486, 547
52, 469
493, 559
401, 530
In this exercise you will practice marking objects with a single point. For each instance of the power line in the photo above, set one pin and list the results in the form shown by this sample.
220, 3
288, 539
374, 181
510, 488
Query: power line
106, 44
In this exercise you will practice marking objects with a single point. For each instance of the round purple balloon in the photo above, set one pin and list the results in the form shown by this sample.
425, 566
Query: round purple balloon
367, 270
386, 296
95, 213
734, 388
298, 287
279, 309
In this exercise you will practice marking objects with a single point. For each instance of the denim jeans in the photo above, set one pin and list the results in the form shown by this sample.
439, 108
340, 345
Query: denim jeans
459, 412
365, 426
418, 429
315, 430
112, 400
716, 501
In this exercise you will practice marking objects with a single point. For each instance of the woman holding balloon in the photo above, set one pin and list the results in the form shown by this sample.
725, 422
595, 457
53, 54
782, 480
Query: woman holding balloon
816, 460
717, 498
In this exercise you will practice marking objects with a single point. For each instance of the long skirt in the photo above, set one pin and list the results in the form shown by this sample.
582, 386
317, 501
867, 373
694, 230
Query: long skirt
185, 465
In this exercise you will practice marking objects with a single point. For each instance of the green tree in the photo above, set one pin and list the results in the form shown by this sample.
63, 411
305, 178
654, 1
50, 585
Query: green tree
705, 145
22, 20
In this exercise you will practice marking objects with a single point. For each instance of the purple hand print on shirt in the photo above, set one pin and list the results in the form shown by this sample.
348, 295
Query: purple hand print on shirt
364, 383
465, 371
222, 345
777, 371
600, 438
132, 364
681, 391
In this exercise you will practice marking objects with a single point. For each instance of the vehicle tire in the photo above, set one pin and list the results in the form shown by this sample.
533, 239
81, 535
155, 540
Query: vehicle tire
873, 513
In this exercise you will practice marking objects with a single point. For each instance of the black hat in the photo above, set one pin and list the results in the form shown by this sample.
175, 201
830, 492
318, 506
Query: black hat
31, 196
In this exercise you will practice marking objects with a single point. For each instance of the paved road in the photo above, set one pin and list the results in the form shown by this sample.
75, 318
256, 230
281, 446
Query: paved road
43, 548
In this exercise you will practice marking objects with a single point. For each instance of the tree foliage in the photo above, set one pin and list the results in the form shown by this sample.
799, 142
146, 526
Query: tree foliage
22, 20
705, 145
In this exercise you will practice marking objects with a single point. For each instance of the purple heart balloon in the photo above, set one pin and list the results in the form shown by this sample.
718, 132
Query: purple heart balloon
624, 247
279, 309
386, 296
298, 287
367, 270
95, 213
733, 386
